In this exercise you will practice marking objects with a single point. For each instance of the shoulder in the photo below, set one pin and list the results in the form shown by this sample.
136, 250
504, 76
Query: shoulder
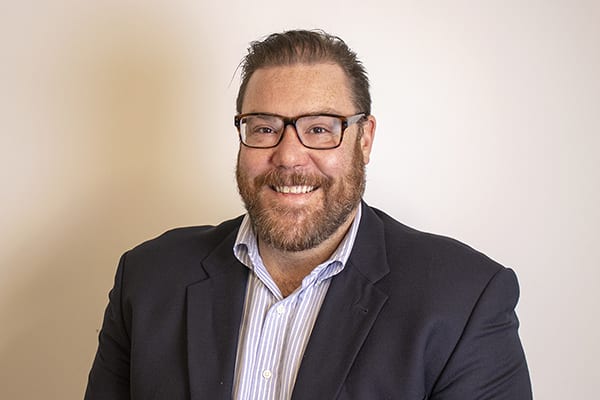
429, 264
438, 277
180, 251
436, 251
197, 239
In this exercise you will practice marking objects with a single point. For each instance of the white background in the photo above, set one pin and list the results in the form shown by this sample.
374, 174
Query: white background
116, 124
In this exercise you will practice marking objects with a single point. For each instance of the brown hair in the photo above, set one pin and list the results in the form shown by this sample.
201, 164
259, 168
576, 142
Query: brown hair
303, 46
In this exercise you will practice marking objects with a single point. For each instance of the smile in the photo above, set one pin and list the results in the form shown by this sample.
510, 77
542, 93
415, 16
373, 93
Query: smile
294, 189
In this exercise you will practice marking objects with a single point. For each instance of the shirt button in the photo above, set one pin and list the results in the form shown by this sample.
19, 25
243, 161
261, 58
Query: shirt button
280, 309
267, 374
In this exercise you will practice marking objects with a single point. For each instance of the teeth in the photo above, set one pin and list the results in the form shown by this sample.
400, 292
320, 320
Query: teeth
294, 189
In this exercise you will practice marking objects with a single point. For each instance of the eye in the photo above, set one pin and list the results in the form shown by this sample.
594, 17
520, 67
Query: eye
260, 125
317, 130
263, 130
318, 125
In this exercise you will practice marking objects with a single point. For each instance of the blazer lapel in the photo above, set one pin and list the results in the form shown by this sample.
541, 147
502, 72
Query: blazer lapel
349, 311
214, 311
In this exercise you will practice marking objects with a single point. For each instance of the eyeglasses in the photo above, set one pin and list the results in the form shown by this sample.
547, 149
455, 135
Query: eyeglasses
323, 131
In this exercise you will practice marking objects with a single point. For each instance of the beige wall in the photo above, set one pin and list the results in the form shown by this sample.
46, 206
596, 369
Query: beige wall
115, 125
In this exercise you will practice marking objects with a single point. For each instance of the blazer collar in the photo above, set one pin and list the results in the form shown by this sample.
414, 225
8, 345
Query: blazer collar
369, 254
214, 312
350, 309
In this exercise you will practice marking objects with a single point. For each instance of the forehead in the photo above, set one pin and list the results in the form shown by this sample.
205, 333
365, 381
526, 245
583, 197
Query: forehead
297, 89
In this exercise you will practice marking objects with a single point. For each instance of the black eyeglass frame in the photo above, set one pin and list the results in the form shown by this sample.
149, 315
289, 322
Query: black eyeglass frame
346, 121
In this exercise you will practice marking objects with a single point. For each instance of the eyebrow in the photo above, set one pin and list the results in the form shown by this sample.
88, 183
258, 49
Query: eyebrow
321, 111
327, 111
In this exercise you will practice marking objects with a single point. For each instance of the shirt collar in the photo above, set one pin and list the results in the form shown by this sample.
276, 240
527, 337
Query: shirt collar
245, 249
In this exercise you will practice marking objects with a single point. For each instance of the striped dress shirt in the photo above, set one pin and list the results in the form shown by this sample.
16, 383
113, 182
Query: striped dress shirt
275, 330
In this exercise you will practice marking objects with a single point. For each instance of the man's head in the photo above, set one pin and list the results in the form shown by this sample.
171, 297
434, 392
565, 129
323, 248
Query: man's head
297, 196
306, 47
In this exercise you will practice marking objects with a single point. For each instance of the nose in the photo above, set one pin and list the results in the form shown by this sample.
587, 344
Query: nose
290, 152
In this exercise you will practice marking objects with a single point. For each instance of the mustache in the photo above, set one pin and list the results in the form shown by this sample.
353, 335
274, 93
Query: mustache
278, 177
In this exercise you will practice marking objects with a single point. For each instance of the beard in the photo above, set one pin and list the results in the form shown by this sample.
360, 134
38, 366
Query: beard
293, 229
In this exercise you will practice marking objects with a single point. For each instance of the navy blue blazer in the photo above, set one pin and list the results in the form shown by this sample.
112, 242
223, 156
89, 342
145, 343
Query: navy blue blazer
412, 316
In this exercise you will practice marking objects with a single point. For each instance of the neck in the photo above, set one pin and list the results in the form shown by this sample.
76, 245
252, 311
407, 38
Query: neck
289, 268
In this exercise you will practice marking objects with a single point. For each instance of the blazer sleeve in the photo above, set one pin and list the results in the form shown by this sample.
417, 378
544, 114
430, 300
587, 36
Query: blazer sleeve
488, 362
109, 376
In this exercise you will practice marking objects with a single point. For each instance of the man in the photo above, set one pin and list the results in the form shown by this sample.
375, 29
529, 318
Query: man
312, 294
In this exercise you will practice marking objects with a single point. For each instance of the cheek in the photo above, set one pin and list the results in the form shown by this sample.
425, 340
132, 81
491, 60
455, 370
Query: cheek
337, 164
251, 162
331, 168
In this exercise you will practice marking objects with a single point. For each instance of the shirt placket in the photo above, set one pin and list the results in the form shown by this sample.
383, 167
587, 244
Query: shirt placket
270, 351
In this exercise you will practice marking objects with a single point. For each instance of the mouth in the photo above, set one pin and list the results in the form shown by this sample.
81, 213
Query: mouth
294, 189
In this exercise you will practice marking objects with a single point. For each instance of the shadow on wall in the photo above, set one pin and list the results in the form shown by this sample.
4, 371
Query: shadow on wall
111, 160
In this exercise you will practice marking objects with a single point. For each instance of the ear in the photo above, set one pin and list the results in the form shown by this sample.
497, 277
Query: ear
366, 140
